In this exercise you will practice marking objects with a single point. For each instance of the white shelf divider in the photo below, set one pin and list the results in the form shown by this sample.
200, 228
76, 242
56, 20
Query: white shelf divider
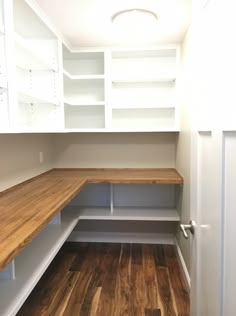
111, 199
128, 79
82, 77
141, 106
86, 103
32, 263
131, 214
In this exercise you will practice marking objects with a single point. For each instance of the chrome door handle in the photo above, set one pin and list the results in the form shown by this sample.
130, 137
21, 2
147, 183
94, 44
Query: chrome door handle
188, 227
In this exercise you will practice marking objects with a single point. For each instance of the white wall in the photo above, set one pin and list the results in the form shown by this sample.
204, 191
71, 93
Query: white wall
128, 150
19, 157
183, 153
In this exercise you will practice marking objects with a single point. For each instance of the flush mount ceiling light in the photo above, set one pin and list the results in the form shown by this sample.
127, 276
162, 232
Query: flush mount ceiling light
134, 24
139, 14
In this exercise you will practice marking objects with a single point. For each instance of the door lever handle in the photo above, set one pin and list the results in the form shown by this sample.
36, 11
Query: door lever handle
188, 227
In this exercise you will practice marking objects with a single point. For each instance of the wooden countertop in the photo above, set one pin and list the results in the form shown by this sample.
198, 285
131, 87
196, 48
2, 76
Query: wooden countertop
26, 208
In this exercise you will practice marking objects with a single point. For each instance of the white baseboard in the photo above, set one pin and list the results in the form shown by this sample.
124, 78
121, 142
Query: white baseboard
140, 238
183, 265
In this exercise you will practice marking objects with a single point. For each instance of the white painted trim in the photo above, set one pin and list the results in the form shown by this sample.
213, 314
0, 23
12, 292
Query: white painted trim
140, 238
183, 265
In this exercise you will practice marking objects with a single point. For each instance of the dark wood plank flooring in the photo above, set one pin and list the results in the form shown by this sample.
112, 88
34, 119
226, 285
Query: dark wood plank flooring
105, 279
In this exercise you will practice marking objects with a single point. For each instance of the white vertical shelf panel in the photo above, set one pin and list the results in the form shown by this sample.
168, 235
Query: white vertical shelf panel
38, 86
108, 88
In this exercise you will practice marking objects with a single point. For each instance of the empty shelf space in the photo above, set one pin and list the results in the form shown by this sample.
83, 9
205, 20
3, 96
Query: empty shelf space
85, 116
149, 118
29, 57
32, 97
83, 63
32, 263
124, 213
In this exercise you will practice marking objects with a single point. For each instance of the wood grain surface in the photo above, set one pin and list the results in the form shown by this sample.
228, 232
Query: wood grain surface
26, 208
103, 279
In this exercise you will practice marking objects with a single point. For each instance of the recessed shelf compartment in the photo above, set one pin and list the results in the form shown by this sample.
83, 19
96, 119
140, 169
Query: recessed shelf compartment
34, 117
132, 202
32, 97
36, 54
142, 94
149, 118
84, 116
33, 261
160, 63
83, 63
84, 91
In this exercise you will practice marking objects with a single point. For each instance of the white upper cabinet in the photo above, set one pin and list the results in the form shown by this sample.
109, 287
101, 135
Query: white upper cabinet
46, 87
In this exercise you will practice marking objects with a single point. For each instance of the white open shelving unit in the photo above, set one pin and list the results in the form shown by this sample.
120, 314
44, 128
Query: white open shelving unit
143, 89
38, 80
121, 90
55, 89
84, 90
32, 262
137, 202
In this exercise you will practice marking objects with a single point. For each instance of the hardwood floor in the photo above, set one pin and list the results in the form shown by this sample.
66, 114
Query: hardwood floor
105, 279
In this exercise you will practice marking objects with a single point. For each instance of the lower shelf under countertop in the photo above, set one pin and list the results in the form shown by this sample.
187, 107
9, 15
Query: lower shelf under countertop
126, 213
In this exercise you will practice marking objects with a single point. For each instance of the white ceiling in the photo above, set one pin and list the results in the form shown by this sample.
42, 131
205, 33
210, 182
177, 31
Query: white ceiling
87, 23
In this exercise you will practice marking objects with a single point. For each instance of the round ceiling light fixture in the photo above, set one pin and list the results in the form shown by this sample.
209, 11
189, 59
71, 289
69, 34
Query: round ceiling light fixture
139, 14
134, 25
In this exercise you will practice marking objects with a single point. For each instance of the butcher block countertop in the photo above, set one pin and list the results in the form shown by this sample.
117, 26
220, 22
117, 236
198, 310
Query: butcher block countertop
27, 208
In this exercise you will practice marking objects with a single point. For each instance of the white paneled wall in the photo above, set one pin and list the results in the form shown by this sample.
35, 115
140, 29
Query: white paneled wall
229, 203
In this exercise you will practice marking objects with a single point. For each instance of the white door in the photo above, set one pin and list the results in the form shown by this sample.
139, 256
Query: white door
229, 222
206, 243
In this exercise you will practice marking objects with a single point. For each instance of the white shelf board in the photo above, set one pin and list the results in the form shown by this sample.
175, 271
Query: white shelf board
35, 60
132, 214
128, 79
86, 103
32, 97
122, 130
32, 263
82, 77
142, 106
120, 237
